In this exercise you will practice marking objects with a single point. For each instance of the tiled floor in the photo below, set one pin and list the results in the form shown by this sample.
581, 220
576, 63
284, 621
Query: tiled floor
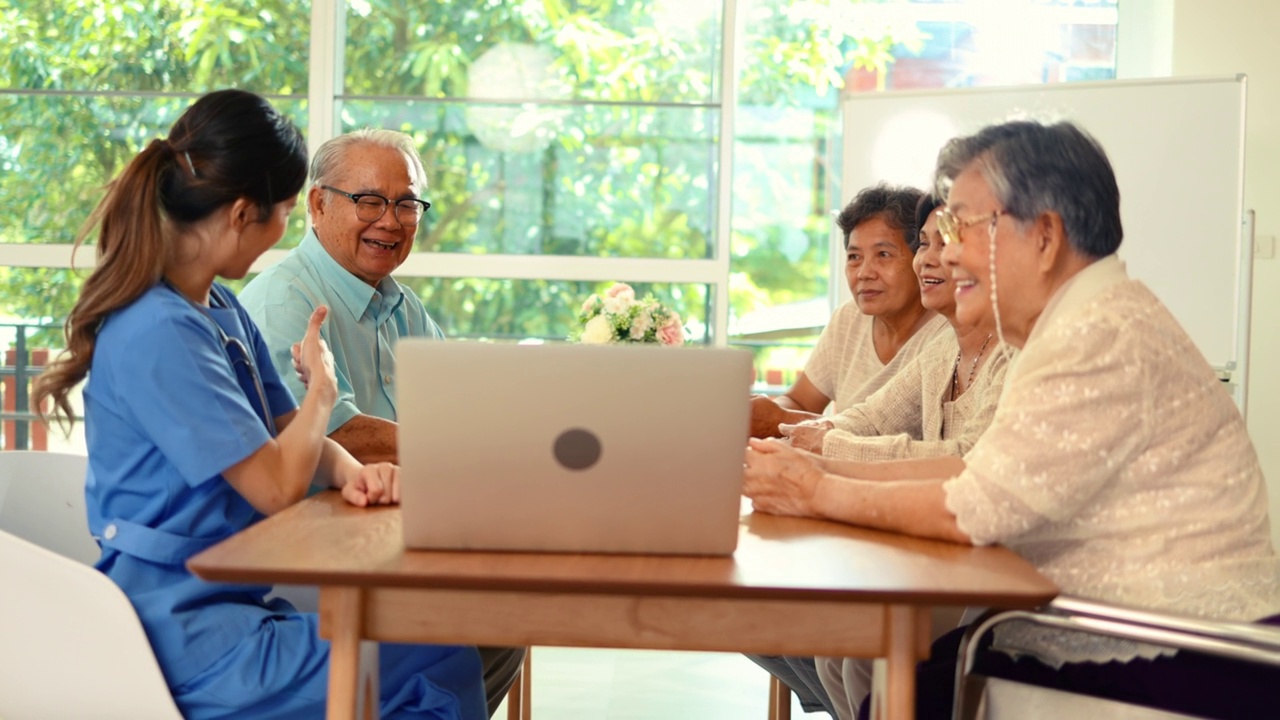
583, 684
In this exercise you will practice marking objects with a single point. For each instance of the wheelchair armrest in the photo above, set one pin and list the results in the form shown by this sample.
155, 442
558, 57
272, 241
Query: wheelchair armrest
1241, 641
1245, 641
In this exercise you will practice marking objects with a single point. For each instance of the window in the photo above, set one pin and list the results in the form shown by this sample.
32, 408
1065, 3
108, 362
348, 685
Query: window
568, 145
787, 140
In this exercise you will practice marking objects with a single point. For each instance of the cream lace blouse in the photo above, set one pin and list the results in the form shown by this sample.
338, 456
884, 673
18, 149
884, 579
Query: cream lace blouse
912, 415
1120, 467
844, 365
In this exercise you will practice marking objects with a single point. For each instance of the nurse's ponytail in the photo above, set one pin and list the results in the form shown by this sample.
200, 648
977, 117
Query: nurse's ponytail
230, 144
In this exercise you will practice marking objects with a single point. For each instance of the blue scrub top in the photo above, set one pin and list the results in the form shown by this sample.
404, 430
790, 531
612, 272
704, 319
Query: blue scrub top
167, 408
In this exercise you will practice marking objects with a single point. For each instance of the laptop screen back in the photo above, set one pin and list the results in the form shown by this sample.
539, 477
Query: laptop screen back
572, 448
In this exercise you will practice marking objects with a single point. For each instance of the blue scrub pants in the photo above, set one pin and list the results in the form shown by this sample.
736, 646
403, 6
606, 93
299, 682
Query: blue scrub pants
282, 671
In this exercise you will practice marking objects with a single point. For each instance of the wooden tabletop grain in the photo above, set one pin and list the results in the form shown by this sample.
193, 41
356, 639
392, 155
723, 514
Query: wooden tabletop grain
324, 541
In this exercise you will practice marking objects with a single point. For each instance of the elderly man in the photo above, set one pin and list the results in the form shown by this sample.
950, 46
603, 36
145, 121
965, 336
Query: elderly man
365, 204
365, 209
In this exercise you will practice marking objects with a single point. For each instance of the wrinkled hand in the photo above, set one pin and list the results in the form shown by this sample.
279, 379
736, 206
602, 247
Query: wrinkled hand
780, 479
311, 358
375, 484
765, 416
807, 435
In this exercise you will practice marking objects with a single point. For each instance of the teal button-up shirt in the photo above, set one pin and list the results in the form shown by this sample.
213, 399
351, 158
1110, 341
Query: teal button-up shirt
362, 329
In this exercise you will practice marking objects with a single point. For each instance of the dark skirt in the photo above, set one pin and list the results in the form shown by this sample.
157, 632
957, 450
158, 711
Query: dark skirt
1191, 683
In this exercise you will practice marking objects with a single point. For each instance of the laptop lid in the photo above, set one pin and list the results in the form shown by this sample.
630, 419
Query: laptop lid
571, 448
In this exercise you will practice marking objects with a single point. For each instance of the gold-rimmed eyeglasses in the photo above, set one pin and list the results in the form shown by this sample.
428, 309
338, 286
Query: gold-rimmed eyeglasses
370, 207
951, 227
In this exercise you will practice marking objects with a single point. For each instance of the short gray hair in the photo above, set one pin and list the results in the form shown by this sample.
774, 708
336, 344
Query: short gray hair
1033, 168
329, 156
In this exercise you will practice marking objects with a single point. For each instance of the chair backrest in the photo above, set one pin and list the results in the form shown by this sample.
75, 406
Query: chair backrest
73, 646
42, 501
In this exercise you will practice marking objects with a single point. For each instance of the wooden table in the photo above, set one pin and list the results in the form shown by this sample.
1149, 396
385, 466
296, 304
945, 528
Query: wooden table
794, 587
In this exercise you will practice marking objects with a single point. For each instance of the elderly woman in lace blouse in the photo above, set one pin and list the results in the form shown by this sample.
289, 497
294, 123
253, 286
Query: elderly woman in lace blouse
940, 402
1116, 463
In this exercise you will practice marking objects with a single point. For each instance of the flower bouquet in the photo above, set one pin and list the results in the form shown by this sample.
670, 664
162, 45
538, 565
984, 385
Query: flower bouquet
618, 317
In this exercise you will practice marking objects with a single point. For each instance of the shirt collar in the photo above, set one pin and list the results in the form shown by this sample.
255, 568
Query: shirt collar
353, 293
1079, 290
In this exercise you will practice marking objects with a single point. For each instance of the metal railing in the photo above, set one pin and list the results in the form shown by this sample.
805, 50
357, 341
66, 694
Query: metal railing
22, 427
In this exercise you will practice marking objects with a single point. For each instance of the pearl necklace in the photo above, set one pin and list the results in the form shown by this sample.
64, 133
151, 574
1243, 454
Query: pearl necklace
973, 369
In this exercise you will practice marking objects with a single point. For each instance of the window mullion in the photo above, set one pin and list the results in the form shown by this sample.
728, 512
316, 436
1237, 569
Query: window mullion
328, 28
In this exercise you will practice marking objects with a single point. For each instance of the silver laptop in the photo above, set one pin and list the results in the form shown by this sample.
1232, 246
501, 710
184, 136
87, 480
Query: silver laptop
571, 448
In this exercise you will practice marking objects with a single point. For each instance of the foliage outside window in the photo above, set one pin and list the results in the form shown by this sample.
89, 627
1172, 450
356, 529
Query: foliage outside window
571, 128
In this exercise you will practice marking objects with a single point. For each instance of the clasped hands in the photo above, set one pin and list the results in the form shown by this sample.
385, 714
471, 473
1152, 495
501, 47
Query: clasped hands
781, 480
807, 435
375, 484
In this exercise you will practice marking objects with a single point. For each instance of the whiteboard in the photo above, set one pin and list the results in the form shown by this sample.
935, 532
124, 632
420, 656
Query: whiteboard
1177, 147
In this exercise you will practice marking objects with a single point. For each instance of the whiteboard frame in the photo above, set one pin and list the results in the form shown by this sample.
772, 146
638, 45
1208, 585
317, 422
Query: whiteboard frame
1234, 369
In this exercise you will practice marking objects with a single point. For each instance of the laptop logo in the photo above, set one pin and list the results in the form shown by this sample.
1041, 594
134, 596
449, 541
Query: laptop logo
577, 449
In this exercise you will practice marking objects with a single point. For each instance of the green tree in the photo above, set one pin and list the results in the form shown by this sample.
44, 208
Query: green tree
58, 151
628, 174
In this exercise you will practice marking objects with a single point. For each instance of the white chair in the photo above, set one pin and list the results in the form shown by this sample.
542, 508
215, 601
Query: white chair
73, 646
996, 698
42, 501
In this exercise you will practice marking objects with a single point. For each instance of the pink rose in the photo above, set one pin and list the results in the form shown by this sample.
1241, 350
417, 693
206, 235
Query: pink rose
672, 331
590, 303
621, 291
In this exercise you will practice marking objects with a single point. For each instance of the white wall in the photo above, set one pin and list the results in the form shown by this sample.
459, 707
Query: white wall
1221, 37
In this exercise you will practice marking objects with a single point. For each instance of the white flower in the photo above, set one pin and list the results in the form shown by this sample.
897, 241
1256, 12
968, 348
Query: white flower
618, 316
641, 325
597, 331
617, 305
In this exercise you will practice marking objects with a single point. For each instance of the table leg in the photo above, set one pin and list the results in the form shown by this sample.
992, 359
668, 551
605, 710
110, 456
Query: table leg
779, 700
893, 695
352, 694
520, 692
526, 687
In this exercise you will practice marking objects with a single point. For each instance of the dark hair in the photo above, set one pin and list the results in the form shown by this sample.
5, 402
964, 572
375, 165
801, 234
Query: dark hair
1034, 168
228, 145
928, 203
894, 204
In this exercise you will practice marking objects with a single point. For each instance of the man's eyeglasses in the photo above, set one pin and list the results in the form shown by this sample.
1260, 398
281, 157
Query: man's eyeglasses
370, 207
950, 227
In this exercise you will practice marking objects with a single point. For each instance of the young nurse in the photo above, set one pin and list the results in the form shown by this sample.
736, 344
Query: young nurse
192, 436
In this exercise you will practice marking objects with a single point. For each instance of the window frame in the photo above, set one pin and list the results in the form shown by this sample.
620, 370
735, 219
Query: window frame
1144, 48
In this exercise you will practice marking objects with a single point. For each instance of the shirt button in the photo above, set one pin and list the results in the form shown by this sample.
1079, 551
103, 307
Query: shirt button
386, 379
109, 532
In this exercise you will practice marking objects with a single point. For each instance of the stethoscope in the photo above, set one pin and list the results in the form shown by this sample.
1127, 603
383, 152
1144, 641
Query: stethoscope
241, 353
